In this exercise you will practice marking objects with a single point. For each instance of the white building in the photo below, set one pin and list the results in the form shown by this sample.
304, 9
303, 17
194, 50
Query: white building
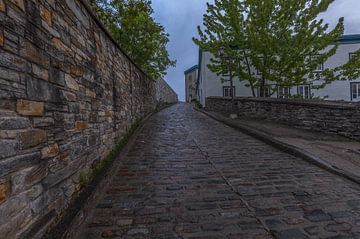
209, 84
191, 76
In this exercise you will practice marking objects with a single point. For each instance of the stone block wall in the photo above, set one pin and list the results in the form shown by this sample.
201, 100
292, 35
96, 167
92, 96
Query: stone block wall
164, 93
67, 94
324, 116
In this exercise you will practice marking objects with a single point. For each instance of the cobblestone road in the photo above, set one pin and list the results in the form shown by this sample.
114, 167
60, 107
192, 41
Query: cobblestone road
188, 176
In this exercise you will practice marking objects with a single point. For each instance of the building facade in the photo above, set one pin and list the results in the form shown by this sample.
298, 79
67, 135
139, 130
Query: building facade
209, 84
191, 76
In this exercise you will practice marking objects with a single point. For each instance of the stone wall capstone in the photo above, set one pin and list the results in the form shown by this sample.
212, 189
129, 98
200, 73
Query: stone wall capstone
68, 93
342, 118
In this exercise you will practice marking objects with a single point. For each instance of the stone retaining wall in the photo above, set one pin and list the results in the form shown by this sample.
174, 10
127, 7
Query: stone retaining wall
67, 94
164, 93
325, 116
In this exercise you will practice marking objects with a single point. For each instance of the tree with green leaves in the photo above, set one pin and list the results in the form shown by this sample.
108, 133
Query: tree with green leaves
132, 26
292, 41
284, 40
225, 38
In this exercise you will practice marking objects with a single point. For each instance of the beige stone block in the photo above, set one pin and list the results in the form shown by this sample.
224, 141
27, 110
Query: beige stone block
80, 125
108, 113
76, 71
8, 134
1, 39
60, 45
71, 82
30, 108
2, 6
33, 53
19, 3
40, 72
69, 96
32, 138
90, 93
4, 191
46, 15
50, 151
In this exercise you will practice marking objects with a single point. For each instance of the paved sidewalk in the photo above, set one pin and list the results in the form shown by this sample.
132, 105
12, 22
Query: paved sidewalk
188, 176
339, 153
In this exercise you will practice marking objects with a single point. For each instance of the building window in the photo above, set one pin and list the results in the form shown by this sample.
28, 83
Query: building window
320, 67
262, 61
264, 91
351, 55
304, 91
229, 91
355, 90
283, 92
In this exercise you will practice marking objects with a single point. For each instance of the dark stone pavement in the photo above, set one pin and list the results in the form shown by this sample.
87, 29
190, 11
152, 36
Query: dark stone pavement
188, 176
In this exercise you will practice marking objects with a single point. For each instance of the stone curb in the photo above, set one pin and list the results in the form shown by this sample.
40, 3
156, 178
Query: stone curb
287, 148
67, 227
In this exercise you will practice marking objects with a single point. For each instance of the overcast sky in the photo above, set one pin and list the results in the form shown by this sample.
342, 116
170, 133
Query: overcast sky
181, 18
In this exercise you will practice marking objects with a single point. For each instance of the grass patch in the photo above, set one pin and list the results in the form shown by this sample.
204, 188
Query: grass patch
198, 104
87, 176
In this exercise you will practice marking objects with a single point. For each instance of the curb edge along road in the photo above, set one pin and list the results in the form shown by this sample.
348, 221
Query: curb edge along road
287, 148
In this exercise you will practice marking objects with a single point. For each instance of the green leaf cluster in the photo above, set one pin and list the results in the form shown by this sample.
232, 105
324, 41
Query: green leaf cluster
131, 24
284, 40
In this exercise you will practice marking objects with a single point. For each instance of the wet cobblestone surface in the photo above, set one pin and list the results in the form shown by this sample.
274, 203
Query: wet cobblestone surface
188, 176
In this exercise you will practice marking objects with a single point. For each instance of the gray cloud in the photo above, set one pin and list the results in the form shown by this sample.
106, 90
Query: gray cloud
181, 17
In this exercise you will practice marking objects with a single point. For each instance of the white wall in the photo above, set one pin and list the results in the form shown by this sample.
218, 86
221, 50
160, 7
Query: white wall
211, 84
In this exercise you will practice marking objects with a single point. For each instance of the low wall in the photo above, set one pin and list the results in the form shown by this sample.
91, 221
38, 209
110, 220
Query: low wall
324, 116
67, 94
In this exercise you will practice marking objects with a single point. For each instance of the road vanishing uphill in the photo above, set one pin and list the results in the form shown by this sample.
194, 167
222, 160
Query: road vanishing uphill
189, 176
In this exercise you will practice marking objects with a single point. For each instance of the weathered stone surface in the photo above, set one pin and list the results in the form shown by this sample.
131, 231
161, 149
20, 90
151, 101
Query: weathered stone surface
32, 138
291, 233
4, 191
71, 82
37, 173
30, 108
69, 96
90, 93
43, 121
8, 134
78, 13
60, 45
64, 84
15, 163
19, 3
42, 91
34, 54
317, 216
10, 123
2, 6
50, 151
14, 62
76, 71
18, 180
80, 125
40, 72
1, 39
324, 116
164, 93
8, 148
46, 15
57, 76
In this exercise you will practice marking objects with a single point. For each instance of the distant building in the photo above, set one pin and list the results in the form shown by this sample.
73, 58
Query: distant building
191, 76
209, 84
